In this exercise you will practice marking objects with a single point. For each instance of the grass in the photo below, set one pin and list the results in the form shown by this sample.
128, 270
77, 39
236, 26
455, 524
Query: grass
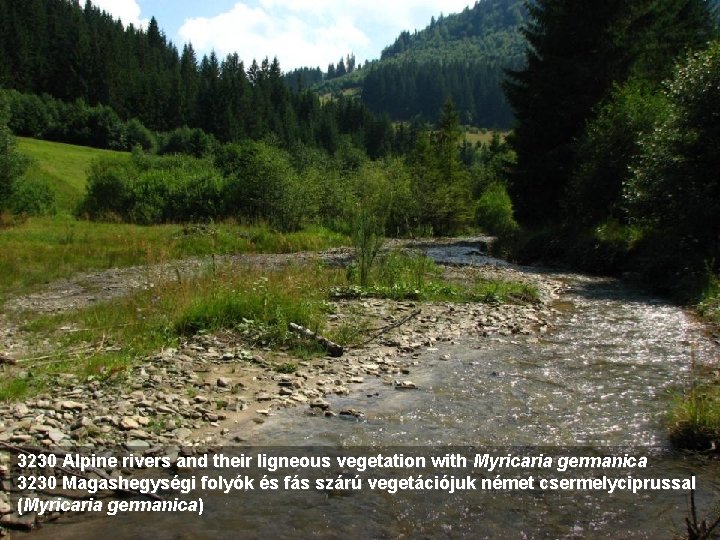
483, 136
400, 276
41, 250
695, 414
63, 167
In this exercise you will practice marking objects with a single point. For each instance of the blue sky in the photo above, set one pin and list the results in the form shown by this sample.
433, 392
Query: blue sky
298, 32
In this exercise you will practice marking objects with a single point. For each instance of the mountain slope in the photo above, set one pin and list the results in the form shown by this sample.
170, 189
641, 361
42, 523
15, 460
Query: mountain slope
460, 56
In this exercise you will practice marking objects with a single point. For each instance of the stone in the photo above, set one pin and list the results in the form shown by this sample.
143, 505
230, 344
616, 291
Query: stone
405, 385
263, 397
56, 435
320, 404
224, 382
137, 445
128, 423
16, 521
182, 433
70, 406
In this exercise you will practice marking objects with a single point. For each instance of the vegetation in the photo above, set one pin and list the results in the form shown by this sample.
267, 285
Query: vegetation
62, 168
401, 276
12, 164
41, 250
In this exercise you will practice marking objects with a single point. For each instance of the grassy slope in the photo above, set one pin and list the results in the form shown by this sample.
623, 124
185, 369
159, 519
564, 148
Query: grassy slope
63, 166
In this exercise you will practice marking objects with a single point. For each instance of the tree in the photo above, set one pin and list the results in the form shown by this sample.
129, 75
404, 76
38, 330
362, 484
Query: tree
676, 181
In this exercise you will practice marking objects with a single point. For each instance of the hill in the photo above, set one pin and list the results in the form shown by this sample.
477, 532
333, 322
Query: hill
461, 56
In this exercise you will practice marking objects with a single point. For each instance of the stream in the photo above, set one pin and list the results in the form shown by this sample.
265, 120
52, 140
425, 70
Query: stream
602, 379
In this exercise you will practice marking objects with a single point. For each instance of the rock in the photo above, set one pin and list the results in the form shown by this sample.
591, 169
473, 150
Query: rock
137, 445
5, 507
128, 423
356, 380
70, 406
320, 404
263, 397
224, 382
405, 385
16, 521
56, 435
445, 357
182, 433
352, 412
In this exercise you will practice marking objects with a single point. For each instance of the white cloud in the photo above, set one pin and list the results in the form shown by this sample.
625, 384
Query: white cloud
311, 32
128, 11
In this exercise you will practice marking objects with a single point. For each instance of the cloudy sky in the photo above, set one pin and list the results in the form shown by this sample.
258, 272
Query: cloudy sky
299, 32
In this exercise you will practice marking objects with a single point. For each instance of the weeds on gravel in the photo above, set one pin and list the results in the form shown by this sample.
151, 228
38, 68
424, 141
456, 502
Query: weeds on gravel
41, 250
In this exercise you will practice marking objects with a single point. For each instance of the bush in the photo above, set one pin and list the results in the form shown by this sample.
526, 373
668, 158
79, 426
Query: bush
150, 190
137, 134
32, 197
676, 181
262, 185
494, 212
185, 140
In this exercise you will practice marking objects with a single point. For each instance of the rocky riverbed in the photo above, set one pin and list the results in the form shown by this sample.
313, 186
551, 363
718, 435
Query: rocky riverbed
213, 389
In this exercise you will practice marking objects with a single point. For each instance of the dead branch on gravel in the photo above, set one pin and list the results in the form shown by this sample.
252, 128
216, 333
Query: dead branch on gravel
331, 347
386, 329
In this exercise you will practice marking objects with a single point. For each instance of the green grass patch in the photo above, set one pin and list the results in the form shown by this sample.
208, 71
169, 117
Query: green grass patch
62, 167
695, 418
41, 250
709, 306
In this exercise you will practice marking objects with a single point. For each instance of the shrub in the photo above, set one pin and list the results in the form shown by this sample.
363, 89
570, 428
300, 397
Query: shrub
32, 197
494, 212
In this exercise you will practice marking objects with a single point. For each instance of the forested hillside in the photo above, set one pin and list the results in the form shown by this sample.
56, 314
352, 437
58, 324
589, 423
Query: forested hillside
79, 76
460, 56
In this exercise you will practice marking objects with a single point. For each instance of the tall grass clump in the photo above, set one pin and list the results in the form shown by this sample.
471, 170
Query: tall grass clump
695, 416
262, 308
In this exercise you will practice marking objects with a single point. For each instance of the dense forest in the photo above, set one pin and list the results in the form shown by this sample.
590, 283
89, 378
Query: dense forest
78, 75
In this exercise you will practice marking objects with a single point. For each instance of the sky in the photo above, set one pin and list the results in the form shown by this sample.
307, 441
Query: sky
299, 32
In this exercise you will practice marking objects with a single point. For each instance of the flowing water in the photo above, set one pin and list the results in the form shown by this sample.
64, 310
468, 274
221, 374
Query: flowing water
603, 377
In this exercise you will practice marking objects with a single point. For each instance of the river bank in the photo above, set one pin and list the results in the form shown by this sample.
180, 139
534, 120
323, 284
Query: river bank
212, 390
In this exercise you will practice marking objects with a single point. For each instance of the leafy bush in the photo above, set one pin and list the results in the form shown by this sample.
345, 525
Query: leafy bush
32, 197
185, 140
138, 135
263, 185
150, 190
676, 181
494, 212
